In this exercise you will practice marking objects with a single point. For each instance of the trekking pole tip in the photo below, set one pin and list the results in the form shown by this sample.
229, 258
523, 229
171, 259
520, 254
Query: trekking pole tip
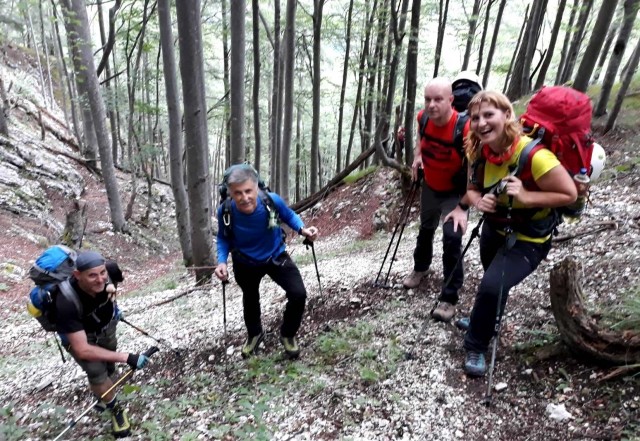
152, 350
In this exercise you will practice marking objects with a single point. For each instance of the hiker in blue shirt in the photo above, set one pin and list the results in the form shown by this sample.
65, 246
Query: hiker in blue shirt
248, 228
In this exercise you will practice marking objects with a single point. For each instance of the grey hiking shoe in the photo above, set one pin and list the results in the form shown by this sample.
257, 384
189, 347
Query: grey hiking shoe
463, 323
475, 365
444, 312
414, 279
290, 346
251, 345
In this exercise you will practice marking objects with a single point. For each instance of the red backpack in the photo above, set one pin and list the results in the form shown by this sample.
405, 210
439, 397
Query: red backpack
561, 117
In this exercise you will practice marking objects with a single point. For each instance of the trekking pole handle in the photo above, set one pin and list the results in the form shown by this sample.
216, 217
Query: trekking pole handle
149, 352
307, 242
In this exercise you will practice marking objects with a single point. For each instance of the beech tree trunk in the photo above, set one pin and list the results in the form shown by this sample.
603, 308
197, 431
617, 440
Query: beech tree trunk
626, 82
567, 38
581, 332
175, 131
443, 12
412, 72
238, 12
576, 42
315, 123
343, 89
494, 39
195, 127
78, 27
552, 45
473, 22
256, 84
630, 13
287, 129
605, 15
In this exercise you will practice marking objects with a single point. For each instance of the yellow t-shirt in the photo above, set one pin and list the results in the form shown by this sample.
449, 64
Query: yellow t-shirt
543, 160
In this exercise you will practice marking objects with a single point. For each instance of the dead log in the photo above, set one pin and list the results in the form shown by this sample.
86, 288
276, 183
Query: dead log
313, 199
581, 332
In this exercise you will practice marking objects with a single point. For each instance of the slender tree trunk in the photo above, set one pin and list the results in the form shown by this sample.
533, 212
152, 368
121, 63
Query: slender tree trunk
572, 55
412, 72
238, 46
567, 38
256, 83
492, 48
4, 127
298, 150
552, 45
175, 131
473, 22
485, 29
315, 124
630, 13
443, 12
516, 50
32, 36
345, 70
290, 63
195, 126
45, 50
605, 15
626, 82
227, 90
276, 96
78, 28
606, 48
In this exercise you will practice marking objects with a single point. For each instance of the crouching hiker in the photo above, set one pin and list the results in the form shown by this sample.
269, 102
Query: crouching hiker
248, 227
86, 321
517, 200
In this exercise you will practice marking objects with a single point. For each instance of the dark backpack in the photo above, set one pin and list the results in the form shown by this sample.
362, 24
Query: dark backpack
463, 90
52, 268
225, 200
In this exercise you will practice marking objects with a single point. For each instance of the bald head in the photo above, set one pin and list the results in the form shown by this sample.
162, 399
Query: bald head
438, 97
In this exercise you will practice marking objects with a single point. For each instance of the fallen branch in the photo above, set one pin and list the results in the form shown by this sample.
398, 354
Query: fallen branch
617, 372
598, 227
176, 297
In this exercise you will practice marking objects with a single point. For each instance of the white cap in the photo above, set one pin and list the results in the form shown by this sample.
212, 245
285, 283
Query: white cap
468, 75
598, 159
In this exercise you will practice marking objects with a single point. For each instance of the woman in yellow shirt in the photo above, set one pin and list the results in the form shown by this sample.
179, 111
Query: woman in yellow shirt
518, 210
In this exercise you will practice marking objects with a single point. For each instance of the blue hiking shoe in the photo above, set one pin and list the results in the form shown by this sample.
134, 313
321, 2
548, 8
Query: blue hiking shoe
475, 364
463, 323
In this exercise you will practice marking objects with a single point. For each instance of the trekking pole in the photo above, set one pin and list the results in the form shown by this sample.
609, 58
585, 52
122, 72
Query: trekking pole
148, 353
508, 244
224, 308
474, 233
402, 220
162, 341
308, 243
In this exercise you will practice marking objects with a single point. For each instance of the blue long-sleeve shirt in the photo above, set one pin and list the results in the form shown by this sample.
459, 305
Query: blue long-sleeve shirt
251, 234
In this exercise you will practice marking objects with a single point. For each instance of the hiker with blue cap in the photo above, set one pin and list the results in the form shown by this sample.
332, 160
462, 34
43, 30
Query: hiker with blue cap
86, 319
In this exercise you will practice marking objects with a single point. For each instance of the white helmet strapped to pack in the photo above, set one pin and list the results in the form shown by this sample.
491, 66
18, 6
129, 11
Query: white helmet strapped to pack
598, 159
465, 85
467, 75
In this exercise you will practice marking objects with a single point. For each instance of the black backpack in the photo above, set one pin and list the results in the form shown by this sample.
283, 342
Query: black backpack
225, 200
464, 87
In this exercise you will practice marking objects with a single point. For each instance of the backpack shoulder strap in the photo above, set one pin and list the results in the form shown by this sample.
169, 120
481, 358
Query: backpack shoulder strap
458, 131
424, 119
70, 294
227, 217
526, 152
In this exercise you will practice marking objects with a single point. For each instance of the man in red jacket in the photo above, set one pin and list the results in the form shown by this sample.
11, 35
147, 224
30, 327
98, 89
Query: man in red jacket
439, 152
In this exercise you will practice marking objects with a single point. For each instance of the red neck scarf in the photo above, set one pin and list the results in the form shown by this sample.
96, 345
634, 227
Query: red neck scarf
499, 158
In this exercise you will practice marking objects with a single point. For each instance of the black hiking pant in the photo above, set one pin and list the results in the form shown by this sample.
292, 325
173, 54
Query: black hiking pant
285, 273
503, 269
433, 206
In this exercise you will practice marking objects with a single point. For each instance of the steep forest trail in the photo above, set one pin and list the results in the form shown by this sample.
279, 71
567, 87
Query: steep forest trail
368, 370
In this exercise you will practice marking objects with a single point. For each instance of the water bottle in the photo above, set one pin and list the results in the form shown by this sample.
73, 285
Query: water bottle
574, 210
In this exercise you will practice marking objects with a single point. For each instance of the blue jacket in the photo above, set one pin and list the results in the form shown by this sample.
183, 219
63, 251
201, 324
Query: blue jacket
251, 234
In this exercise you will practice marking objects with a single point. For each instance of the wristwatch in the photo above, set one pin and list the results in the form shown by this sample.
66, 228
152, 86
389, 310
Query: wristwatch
464, 206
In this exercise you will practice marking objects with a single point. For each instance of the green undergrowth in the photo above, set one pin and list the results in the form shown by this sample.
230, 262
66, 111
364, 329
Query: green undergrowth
625, 315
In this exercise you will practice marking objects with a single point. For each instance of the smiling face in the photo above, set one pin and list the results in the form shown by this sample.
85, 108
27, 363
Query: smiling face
245, 195
93, 280
488, 123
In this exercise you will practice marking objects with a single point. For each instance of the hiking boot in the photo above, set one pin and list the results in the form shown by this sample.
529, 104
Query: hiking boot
475, 365
463, 324
120, 422
414, 279
444, 312
290, 346
251, 345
